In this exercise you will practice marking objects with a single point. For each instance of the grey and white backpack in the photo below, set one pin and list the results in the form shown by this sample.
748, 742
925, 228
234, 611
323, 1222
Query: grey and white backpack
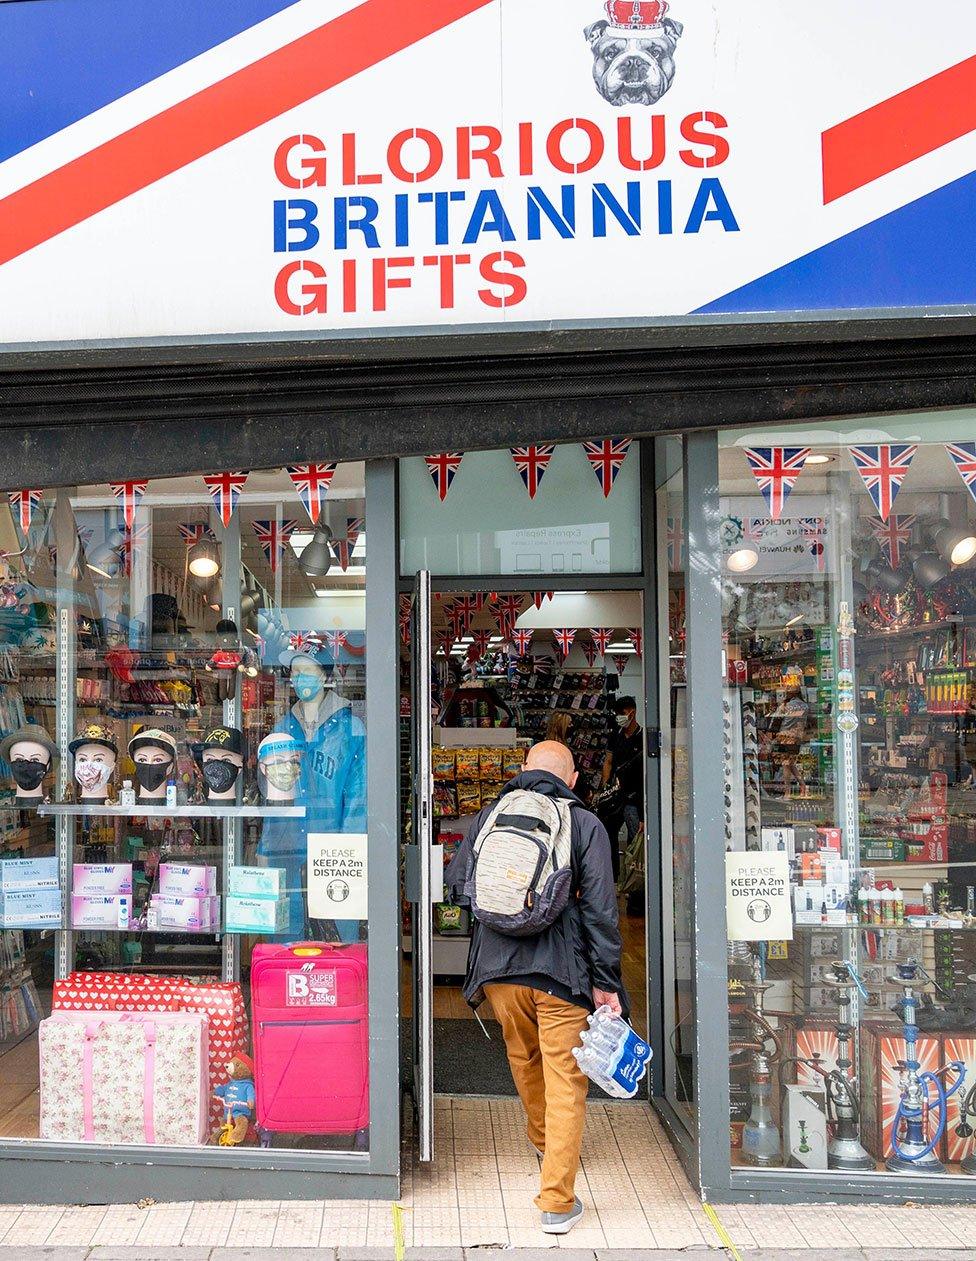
520, 876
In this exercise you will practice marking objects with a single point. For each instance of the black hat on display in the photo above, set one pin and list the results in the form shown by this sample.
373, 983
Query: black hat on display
94, 733
32, 732
227, 738
153, 738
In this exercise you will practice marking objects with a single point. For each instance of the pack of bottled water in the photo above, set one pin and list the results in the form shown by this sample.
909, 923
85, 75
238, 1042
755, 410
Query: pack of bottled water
612, 1054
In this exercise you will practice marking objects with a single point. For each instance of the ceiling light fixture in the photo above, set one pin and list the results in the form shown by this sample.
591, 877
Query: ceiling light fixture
316, 558
742, 559
818, 458
204, 558
956, 543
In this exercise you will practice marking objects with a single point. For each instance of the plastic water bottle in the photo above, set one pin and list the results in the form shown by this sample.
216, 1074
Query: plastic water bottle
612, 1055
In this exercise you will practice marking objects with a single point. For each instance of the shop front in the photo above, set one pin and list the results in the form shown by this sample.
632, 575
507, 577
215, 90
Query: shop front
344, 461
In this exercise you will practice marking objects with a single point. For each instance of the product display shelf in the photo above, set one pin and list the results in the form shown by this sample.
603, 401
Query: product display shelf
202, 811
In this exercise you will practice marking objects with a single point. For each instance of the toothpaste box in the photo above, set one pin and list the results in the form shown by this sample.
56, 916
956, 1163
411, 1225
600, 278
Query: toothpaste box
255, 915
93, 910
176, 880
28, 873
106, 879
30, 908
256, 882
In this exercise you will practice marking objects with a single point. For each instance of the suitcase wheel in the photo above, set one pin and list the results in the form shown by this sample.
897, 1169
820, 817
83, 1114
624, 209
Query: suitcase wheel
361, 1141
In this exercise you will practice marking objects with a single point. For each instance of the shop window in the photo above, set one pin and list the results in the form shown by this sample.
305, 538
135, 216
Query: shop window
477, 516
183, 855
849, 610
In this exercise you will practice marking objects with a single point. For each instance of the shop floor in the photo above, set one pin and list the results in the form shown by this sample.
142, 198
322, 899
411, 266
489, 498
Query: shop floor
477, 1194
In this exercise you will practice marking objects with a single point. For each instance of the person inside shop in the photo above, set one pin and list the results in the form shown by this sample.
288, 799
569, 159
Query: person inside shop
332, 783
622, 795
541, 988
787, 735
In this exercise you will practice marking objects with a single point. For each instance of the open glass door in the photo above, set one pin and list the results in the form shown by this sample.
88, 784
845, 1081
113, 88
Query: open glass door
425, 865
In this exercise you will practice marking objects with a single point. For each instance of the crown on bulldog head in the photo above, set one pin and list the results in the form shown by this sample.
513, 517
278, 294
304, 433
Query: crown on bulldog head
636, 15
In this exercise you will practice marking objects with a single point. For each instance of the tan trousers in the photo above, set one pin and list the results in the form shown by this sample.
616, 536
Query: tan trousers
540, 1033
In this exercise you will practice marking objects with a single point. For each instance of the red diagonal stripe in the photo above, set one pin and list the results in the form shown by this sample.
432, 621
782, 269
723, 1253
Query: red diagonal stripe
897, 131
217, 115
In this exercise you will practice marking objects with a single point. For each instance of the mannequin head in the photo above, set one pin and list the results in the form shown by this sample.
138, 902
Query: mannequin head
31, 753
308, 679
154, 753
221, 760
95, 753
279, 767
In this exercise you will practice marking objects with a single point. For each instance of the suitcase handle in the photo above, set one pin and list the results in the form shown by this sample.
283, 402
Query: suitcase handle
312, 949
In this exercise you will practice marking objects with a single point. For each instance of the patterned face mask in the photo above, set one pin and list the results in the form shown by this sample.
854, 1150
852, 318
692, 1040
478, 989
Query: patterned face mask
282, 775
92, 775
220, 776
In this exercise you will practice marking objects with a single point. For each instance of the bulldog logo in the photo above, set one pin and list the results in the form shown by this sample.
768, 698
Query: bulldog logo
633, 52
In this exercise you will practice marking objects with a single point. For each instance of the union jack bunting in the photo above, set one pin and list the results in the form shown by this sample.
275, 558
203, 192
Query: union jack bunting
893, 534
532, 463
132, 541
130, 493
564, 638
521, 640
883, 469
479, 644
336, 641
273, 537
404, 630
589, 651
676, 539
469, 605
443, 469
458, 621
606, 459
601, 638
192, 534
301, 641
776, 470
312, 481
25, 501
814, 529
963, 456
636, 637
225, 488
343, 548
620, 663
539, 596
507, 610
403, 605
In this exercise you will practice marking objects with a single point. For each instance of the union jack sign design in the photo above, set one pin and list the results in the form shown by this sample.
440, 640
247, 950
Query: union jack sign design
132, 541
963, 456
507, 610
564, 638
893, 534
521, 640
273, 537
130, 494
443, 469
606, 459
336, 641
589, 651
620, 663
776, 470
312, 481
601, 638
676, 539
532, 463
225, 489
343, 548
25, 501
883, 469
194, 533
636, 637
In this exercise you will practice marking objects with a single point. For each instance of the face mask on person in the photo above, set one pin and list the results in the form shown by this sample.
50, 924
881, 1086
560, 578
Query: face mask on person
281, 775
92, 775
308, 686
220, 776
623, 720
27, 775
152, 775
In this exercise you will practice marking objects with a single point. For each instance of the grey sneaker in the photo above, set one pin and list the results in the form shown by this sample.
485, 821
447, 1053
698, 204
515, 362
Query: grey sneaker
562, 1223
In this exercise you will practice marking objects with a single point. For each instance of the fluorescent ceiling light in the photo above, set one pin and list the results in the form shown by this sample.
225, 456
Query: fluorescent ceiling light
818, 458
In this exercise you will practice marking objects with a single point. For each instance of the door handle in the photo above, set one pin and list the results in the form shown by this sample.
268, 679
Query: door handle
653, 741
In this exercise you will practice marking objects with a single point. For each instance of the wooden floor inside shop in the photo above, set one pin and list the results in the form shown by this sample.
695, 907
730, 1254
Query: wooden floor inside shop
19, 1094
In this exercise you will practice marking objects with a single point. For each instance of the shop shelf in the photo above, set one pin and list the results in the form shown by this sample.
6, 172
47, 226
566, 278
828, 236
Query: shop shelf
175, 812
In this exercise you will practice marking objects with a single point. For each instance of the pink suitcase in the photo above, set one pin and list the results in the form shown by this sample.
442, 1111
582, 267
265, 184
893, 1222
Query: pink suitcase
311, 1039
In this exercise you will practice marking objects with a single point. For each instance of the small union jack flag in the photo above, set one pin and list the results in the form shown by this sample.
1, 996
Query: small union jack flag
589, 652
539, 596
814, 529
636, 637
893, 534
883, 469
564, 638
403, 605
25, 501
132, 541
443, 469
620, 663
192, 534
963, 456
479, 645
606, 460
130, 494
225, 489
301, 641
676, 539
601, 638
273, 537
336, 641
343, 548
458, 621
776, 469
532, 463
507, 611
521, 640
469, 605
312, 481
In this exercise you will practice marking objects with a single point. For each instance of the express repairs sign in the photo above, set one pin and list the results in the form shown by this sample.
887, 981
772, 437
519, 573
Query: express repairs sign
310, 167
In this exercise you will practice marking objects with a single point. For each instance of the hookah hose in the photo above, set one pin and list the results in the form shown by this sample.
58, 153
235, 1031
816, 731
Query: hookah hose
903, 1113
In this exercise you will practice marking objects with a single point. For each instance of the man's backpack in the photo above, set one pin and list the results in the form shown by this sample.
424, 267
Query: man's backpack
520, 876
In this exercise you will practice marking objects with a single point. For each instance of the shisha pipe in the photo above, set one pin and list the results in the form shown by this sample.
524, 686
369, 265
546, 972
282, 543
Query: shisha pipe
967, 1109
761, 1142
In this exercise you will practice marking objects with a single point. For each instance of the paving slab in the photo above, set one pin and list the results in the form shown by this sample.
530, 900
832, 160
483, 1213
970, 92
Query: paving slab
277, 1254
27, 1252
116, 1252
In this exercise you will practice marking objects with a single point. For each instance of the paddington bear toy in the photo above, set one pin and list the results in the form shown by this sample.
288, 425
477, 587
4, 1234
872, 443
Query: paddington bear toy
236, 1096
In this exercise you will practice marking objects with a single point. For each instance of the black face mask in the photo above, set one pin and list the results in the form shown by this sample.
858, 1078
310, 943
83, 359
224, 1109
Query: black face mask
26, 774
152, 775
220, 776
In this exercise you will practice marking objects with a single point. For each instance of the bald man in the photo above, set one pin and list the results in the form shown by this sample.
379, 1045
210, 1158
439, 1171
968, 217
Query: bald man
542, 988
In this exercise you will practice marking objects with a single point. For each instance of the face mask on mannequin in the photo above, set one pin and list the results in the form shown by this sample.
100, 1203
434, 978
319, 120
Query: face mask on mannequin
152, 775
282, 775
92, 775
220, 776
308, 685
27, 775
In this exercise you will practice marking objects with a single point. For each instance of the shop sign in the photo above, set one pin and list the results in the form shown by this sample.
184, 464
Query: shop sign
337, 875
286, 167
757, 896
